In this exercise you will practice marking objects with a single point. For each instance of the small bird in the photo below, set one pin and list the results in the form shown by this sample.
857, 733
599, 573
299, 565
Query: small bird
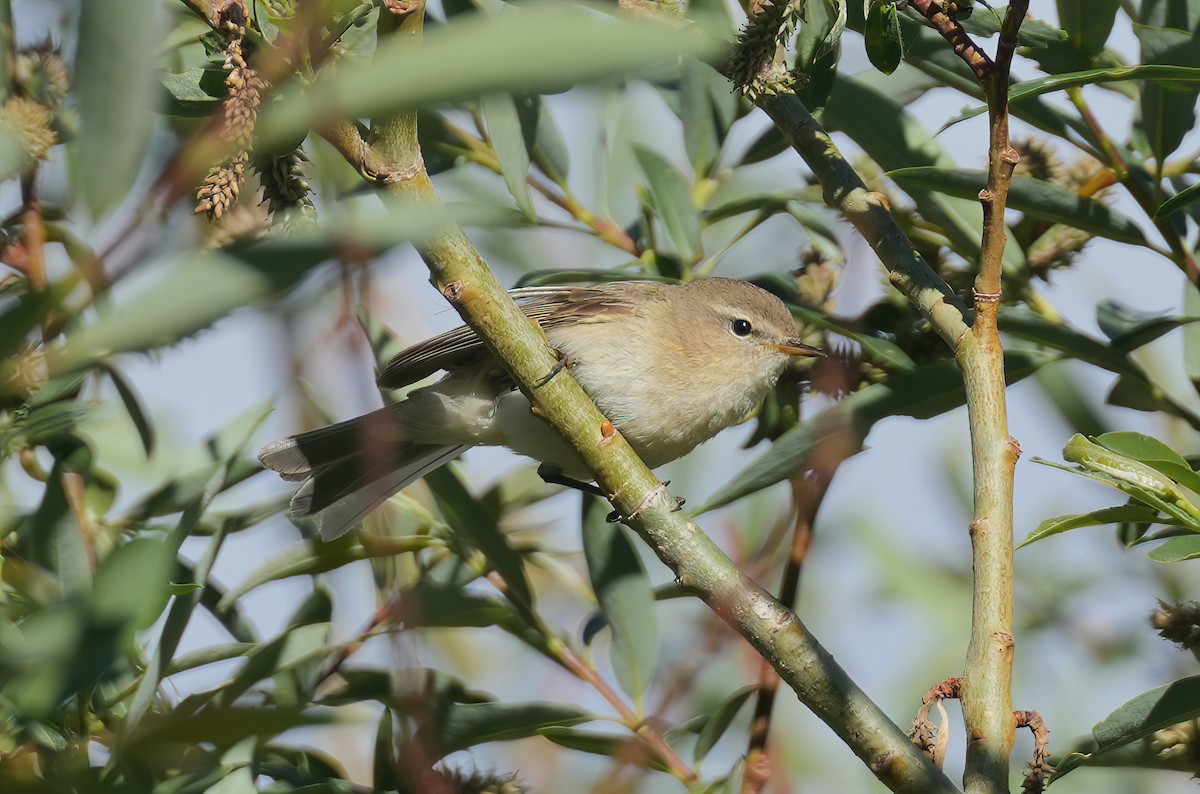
670, 365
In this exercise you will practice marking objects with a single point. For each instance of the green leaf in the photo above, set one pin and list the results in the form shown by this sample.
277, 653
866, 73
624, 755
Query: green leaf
197, 91
671, 198
1154, 454
722, 717
511, 147
115, 83
385, 765
625, 597
1021, 94
547, 148
535, 47
223, 727
921, 393
821, 31
1140, 717
895, 139
446, 605
625, 748
470, 519
463, 725
312, 557
131, 585
885, 46
1088, 23
1033, 32
1184, 198
1177, 549
1130, 329
1191, 336
1035, 197
1107, 515
1167, 109
702, 129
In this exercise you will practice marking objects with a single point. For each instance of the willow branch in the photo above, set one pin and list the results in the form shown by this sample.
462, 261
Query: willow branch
962, 43
701, 568
987, 675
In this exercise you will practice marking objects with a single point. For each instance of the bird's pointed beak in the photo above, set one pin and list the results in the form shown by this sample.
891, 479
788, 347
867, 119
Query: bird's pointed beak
794, 347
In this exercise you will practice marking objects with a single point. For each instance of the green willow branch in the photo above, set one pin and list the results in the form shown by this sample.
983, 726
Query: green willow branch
392, 158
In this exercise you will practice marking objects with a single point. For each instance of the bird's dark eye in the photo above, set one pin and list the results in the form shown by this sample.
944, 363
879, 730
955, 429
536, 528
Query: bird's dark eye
741, 327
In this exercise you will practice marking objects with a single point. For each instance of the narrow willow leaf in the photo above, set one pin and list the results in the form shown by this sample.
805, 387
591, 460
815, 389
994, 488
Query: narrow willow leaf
547, 147
312, 557
1167, 109
1130, 329
133, 406
1033, 32
384, 764
696, 111
223, 727
625, 748
463, 725
116, 85
1191, 336
625, 597
1035, 197
1184, 198
722, 717
536, 47
470, 519
1029, 89
508, 141
1140, 717
131, 584
671, 196
1088, 23
1177, 549
1107, 515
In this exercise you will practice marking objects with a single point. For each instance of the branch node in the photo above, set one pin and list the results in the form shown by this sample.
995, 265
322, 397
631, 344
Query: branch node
986, 196
607, 433
878, 199
977, 527
1012, 157
1014, 448
987, 297
454, 291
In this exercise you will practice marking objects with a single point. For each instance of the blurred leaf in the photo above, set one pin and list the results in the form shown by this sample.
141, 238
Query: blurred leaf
411, 691
885, 46
1183, 198
702, 129
921, 393
223, 727
434, 604
384, 766
463, 725
133, 406
312, 557
671, 196
116, 87
625, 597
1072, 403
1177, 549
879, 350
470, 519
1038, 198
296, 645
1088, 23
1191, 336
720, 720
547, 148
131, 585
1107, 515
511, 147
535, 47
1151, 711
1167, 109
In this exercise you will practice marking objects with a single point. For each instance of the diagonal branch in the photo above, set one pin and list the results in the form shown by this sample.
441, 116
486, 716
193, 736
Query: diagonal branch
964, 46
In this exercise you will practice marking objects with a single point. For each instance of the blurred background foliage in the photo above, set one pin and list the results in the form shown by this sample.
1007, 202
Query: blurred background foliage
173, 169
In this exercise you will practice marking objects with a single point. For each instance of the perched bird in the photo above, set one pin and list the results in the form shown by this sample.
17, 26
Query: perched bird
670, 365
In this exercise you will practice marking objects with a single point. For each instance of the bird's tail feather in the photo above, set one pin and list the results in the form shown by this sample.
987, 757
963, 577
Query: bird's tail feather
350, 468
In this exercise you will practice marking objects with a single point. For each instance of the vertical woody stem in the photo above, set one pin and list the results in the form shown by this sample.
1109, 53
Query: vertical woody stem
987, 679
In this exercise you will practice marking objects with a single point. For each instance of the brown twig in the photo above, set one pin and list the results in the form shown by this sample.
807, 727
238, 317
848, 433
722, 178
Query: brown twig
808, 491
964, 46
935, 739
1039, 767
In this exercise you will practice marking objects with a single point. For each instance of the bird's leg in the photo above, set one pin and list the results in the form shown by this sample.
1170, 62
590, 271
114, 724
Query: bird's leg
554, 476
562, 363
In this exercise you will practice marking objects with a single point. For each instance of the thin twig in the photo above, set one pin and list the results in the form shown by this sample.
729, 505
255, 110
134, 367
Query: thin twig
964, 46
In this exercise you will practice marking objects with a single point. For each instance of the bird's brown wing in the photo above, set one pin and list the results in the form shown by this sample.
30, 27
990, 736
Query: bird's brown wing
548, 306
